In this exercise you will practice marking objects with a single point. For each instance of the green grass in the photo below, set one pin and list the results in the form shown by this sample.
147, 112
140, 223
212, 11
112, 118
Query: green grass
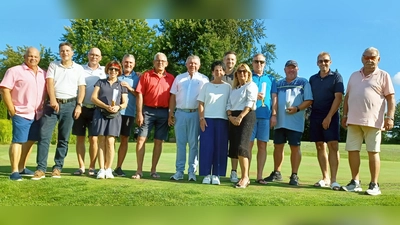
87, 191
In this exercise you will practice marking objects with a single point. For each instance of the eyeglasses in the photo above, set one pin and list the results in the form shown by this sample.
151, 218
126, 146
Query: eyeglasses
323, 60
259, 61
160, 61
113, 69
242, 71
370, 57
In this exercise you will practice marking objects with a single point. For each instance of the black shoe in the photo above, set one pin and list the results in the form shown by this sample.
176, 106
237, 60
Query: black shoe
294, 180
274, 176
118, 171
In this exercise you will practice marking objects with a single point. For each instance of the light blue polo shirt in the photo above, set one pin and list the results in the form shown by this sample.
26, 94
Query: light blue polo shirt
133, 80
300, 90
270, 81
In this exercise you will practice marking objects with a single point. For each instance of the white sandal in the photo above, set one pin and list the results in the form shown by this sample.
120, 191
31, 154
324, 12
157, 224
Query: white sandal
321, 183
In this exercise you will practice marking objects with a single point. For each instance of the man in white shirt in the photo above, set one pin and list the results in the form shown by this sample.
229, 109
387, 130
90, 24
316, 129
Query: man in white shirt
65, 83
93, 72
184, 93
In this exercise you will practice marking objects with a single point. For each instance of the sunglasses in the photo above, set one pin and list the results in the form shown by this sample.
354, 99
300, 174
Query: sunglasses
242, 71
259, 61
323, 61
370, 57
113, 69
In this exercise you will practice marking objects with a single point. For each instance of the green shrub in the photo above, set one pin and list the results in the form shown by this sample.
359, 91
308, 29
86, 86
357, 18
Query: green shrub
5, 131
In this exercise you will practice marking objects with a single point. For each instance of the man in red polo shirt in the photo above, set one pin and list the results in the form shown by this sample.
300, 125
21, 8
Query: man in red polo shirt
152, 110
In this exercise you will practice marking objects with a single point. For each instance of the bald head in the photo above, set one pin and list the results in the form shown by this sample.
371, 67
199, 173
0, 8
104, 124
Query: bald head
32, 57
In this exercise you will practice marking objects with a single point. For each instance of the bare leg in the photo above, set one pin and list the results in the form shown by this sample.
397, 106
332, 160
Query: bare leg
122, 150
26, 152
80, 151
244, 167
261, 158
295, 158
93, 149
334, 158
140, 150
354, 162
110, 151
322, 157
156, 154
101, 151
278, 156
374, 166
15, 155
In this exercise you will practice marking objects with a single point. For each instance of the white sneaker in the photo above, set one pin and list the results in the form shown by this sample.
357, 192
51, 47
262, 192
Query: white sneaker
373, 189
101, 174
177, 176
234, 177
353, 186
215, 180
109, 173
207, 179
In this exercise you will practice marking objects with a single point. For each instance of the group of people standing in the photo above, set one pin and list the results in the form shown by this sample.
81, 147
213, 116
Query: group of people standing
216, 119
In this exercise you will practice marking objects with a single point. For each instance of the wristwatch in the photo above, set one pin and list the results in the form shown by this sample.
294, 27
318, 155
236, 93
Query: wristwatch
298, 109
80, 104
389, 117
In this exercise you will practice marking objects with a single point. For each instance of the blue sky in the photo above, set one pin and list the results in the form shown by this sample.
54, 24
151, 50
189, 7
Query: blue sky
299, 30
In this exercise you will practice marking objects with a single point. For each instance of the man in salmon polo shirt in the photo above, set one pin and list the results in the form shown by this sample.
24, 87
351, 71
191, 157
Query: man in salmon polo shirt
152, 104
23, 91
368, 91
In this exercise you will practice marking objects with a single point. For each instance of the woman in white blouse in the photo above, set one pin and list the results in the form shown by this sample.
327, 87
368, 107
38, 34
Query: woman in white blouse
214, 123
241, 114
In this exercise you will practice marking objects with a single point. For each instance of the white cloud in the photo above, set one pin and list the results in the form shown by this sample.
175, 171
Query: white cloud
396, 78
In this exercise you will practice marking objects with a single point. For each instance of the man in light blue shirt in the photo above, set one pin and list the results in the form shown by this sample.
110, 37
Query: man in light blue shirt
130, 80
265, 112
294, 96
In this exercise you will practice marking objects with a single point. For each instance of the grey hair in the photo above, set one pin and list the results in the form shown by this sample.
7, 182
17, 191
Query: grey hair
128, 56
371, 49
258, 55
192, 57
159, 53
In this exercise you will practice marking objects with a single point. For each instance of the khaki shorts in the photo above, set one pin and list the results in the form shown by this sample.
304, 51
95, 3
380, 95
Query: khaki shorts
356, 134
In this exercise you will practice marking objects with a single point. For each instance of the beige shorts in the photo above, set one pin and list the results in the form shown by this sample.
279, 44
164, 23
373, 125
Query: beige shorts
357, 134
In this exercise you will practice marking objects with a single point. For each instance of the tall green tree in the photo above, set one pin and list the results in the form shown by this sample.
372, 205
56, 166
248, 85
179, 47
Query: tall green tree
209, 39
114, 37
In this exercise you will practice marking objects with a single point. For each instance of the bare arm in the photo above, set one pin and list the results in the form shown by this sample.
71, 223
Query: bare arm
139, 109
81, 95
274, 110
172, 105
6, 94
52, 94
203, 123
335, 106
391, 105
345, 110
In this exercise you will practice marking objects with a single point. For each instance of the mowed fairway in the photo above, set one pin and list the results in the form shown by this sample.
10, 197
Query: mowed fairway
86, 191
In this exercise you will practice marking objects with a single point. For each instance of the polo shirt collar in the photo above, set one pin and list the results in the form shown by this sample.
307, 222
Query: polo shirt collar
26, 67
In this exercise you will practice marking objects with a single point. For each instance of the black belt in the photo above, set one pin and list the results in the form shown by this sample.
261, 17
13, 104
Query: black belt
63, 101
156, 107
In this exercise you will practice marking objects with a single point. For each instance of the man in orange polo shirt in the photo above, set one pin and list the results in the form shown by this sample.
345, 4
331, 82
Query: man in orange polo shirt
152, 110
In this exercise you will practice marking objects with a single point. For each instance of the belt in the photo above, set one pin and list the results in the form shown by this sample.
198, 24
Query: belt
63, 101
188, 110
89, 106
156, 107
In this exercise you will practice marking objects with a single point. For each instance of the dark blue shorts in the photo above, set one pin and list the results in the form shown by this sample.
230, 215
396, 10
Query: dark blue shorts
127, 124
282, 135
155, 117
318, 133
20, 129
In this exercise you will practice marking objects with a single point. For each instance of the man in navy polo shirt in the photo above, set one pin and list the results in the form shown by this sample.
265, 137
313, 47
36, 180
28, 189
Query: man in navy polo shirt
327, 88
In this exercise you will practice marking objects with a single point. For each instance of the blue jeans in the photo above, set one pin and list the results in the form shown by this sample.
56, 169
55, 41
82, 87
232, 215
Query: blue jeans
187, 128
47, 124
